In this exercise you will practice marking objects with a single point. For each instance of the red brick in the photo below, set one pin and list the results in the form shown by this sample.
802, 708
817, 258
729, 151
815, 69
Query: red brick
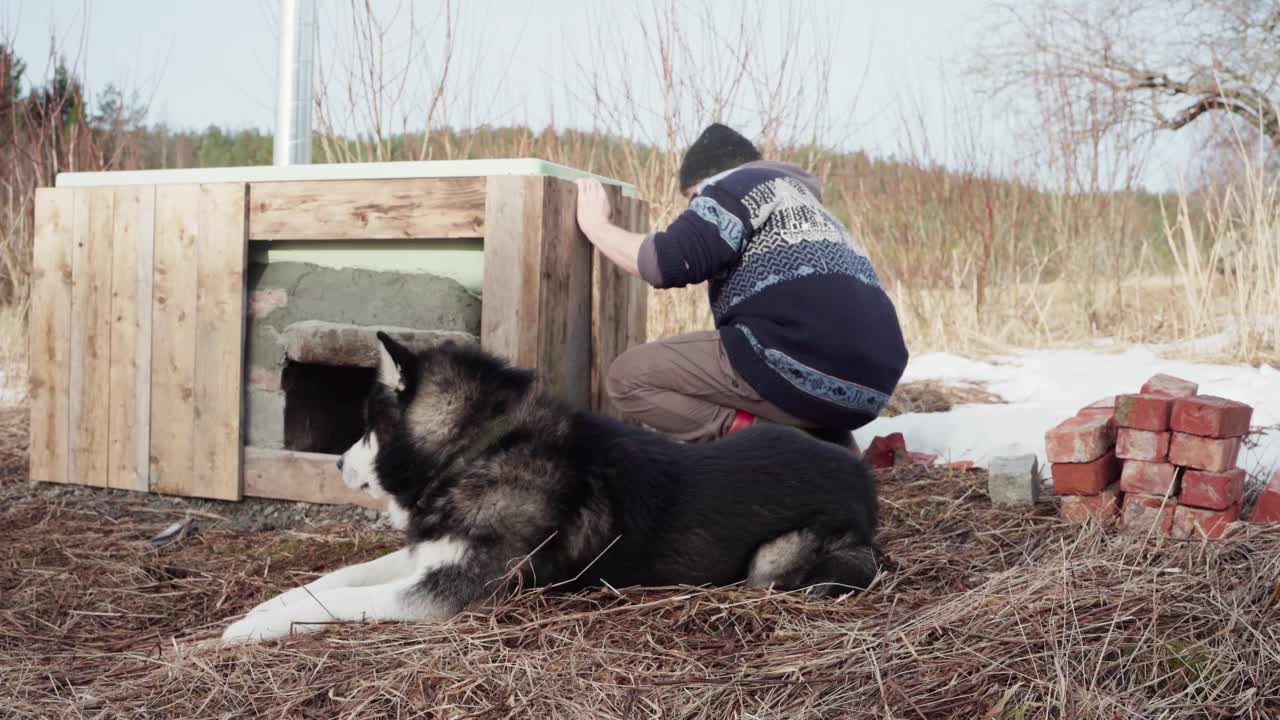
1190, 522
1080, 439
1202, 453
880, 453
1143, 412
1149, 478
1106, 407
1085, 478
1103, 507
1147, 512
1169, 386
1214, 491
1209, 416
1142, 445
1267, 510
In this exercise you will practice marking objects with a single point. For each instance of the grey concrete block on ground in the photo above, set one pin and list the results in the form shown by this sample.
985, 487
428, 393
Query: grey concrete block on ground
1014, 481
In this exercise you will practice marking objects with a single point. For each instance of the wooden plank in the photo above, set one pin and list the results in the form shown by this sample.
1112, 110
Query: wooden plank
173, 349
419, 208
509, 313
618, 305
128, 425
220, 327
299, 476
637, 217
605, 315
90, 384
49, 335
564, 330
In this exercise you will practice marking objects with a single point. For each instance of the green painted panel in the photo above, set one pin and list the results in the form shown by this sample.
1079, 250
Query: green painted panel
334, 171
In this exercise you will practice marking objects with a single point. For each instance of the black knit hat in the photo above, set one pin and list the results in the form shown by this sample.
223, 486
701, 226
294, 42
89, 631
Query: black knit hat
717, 149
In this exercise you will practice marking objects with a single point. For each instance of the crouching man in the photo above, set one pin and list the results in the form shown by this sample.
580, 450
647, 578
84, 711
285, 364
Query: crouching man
805, 334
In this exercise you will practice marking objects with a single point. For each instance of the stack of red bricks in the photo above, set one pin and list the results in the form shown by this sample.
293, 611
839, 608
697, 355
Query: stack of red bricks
1162, 459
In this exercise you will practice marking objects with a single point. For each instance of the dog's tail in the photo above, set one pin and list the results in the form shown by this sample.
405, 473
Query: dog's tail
846, 564
824, 566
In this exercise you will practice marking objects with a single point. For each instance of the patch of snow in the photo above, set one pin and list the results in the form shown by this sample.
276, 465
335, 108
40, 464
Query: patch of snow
1043, 388
13, 391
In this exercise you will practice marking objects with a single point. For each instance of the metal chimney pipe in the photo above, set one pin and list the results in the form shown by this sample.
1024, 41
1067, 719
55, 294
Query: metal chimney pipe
292, 143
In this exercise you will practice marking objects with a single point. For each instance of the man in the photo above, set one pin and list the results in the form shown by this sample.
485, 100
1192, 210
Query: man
805, 335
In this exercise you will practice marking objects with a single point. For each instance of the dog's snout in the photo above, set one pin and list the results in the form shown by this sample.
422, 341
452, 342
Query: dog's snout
339, 462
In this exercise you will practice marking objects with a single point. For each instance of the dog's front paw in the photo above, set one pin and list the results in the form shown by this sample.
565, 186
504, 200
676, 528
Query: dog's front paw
257, 627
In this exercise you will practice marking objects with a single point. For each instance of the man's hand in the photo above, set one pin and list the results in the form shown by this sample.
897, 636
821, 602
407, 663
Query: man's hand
622, 247
593, 206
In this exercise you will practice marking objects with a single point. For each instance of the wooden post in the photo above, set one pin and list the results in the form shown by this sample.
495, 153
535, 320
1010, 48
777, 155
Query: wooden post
618, 303
536, 310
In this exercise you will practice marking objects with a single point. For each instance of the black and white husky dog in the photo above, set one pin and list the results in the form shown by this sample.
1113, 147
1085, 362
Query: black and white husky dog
495, 482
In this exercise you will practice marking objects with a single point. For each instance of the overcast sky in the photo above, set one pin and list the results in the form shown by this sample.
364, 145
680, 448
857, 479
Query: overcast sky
200, 63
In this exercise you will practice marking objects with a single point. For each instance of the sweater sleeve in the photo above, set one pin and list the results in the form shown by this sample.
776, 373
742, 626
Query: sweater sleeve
703, 241
647, 262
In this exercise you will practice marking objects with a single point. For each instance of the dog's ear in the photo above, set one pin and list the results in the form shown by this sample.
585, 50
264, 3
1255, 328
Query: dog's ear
395, 363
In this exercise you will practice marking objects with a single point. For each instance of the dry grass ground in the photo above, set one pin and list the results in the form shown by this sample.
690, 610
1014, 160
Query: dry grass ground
988, 614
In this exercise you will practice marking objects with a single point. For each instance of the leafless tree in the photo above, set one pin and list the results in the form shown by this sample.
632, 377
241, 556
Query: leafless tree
1148, 65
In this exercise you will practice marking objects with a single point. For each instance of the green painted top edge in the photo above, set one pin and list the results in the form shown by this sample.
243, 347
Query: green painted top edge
336, 171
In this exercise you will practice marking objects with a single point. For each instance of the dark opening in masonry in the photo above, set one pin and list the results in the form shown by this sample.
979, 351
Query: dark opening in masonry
324, 406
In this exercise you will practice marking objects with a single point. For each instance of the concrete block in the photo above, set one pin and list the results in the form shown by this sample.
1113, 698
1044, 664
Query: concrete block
263, 302
315, 342
265, 378
264, 426
1014, 481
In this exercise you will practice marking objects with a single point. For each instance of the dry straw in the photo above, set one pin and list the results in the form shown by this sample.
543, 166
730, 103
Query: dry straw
986, 614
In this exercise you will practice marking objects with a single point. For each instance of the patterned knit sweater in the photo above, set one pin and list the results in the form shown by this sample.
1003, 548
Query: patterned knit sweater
798, 305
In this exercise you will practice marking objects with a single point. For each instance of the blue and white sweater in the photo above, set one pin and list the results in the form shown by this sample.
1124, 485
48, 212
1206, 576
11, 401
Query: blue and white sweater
797, 303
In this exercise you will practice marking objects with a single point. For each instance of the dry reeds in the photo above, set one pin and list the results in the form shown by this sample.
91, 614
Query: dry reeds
986, 613
976, 255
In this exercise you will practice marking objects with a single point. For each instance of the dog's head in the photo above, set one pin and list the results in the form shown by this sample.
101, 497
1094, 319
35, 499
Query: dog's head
422, 409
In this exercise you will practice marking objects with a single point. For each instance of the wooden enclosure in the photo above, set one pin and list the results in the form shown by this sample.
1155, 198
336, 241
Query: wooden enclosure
138, 311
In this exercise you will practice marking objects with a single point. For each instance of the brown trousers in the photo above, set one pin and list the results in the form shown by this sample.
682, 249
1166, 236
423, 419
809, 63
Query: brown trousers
684, 387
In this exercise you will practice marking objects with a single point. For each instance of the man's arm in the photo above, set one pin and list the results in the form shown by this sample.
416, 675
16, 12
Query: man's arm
700, 243
622, 247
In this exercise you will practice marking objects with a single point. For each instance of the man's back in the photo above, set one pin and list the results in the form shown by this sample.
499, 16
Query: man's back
799, 305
